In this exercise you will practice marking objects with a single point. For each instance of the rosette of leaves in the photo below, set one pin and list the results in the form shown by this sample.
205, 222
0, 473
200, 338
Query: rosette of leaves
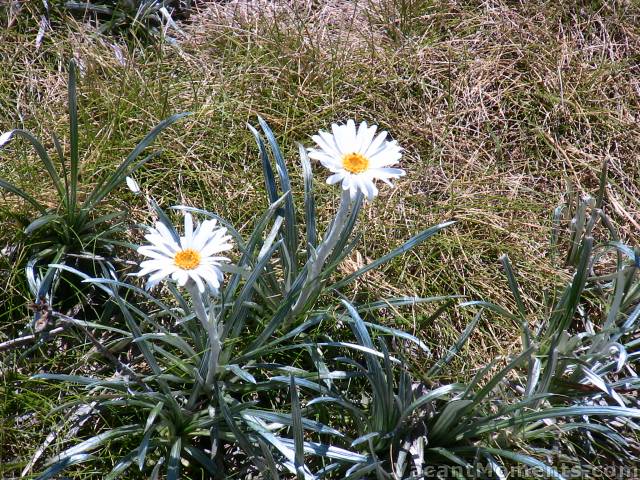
255, 417
70, 233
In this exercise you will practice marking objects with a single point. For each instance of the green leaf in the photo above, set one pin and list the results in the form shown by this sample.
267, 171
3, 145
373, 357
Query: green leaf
173, 463
291, 231
203, 459
73, 139
513, 456
172, 339
144, 447
21, 193
453, 351
408, 245
123, 464
296, 427
59, 466
309, 200
286, 419
90, 7
269, 178
46, 160
430, 397
152, 415
98, 440
241, 373
106, 185
329, 451
42, 221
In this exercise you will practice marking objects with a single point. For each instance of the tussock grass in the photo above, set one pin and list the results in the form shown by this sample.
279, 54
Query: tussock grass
499, 105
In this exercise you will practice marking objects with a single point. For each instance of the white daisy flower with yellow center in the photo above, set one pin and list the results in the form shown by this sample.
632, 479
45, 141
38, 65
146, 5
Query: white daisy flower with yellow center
191, 259
357, 157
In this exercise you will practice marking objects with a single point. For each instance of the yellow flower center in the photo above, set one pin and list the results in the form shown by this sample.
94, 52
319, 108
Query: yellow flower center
355, 162
187, 259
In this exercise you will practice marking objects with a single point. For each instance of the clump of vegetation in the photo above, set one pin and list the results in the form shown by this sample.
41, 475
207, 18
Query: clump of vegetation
255, 376
139, 20
71, 233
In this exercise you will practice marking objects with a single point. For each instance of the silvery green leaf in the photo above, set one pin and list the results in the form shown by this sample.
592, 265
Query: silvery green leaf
405, 247
241, 373
173, 463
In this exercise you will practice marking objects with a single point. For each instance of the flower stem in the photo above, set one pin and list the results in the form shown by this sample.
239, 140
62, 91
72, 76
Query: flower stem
323, 252
210, 324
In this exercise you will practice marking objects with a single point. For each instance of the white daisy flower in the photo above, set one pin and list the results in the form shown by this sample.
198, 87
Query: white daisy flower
192, 259
357, 158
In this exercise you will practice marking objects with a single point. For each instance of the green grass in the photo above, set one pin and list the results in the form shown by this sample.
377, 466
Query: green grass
497, 107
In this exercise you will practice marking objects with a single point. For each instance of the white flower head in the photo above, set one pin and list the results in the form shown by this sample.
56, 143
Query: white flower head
192, 259
357, 157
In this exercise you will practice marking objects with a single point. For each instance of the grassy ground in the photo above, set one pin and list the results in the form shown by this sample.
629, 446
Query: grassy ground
502, 108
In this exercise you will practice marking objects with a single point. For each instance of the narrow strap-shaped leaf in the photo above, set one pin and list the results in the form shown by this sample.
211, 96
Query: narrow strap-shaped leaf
309, 199
254, 240
291, 231
498, 377
296, 427
430, 397
123, 464
513, 456
243, 440
339, 251
9, 187
513, 285
123, 170
235, 321
281, 314
61, 465
408, 245
46, 160
42, 221
203, 459
270, 461
173, 462
568, 304
269, 178
453, 351
90, 7
74, 158
98, 440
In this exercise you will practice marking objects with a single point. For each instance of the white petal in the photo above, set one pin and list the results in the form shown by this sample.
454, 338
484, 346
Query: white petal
385, 158
166, 234
327, 161
376, 144
211, 275
181, 277
215, 247
159, 275
196, 278
202, 234
188, 231
335, 178
351, 131
154, 251
149, 266
387, 172
368, 188
340, 134
326, 143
